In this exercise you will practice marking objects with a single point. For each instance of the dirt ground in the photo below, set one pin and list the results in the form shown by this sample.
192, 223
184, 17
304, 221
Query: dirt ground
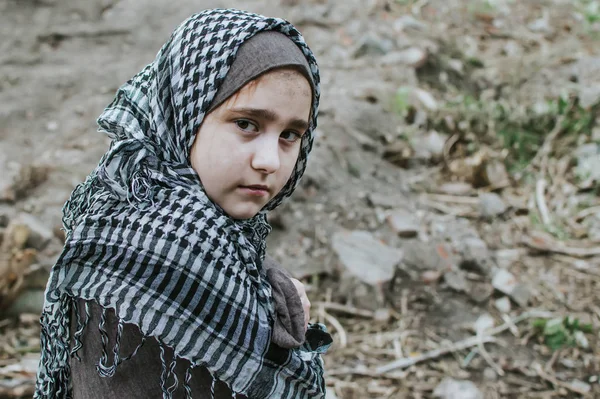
448, 227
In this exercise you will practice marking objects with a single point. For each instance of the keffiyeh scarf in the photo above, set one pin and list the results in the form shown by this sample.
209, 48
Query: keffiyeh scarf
144, 239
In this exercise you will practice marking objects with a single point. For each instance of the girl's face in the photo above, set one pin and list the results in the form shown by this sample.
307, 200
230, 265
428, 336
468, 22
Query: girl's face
246, 148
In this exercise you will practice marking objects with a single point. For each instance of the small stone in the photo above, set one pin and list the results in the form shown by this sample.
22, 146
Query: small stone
541, 25
382, 315
456, 280
431, 276
421, 256
330, 394
372, 45
491, 205
483, 323
366, 257
581, 339
399, 153
581, 386
480, 292
489, 374
423, 98
28, 301
408, 22
385, 201
503, 305
569, 363
589, 96
506, 257
39, 234
450, 388
4, 220
505, 282
456, 65
495, 175
430, 145
404, 223
52, 126
414, 57
16, 180
588, 164
475, 255
456, 188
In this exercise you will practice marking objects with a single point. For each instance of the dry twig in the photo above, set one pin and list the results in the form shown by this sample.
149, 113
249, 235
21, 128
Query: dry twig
460, 345
338, 327
551, 379
345, 309
540, 200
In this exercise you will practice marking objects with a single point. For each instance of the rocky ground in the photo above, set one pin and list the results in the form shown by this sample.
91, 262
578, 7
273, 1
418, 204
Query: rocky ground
448, 227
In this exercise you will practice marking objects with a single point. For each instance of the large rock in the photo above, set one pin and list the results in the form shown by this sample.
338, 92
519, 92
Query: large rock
368, 266
365, 257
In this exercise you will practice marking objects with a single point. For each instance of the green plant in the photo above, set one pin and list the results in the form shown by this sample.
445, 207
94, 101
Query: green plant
562, 332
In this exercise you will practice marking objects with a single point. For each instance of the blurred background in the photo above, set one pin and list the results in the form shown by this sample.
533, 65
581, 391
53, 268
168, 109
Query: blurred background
448, 226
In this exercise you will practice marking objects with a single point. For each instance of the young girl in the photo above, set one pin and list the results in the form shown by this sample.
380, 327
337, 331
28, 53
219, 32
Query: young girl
165, 249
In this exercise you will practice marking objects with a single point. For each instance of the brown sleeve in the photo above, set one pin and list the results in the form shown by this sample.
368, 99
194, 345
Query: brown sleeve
288, 331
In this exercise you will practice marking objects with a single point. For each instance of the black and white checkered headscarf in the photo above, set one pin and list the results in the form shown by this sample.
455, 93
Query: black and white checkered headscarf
144, 239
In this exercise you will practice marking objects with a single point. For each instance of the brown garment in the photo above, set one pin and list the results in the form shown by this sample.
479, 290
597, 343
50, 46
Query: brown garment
138, 377
288, 331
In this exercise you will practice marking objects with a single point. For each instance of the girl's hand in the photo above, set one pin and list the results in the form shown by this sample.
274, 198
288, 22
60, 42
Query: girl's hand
304, 299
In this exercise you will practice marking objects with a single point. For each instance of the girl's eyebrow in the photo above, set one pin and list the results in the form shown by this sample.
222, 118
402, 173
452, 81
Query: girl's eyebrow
270, 116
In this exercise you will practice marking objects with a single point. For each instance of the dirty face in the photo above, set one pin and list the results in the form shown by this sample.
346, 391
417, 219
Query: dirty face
246, 148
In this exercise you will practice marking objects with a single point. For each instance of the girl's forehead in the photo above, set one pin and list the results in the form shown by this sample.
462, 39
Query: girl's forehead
281, 79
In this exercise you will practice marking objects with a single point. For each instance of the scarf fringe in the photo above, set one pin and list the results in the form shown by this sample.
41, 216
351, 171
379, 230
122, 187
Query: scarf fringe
54, 373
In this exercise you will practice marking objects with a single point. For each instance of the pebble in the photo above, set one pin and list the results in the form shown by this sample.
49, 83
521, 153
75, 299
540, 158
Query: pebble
4, 220
507, 283
407, 21
39, 234
366, 257
372, 45
483, 323
495, 174
424, 98
503, 305
404, 223
581, 339
422, 256
456, 280
540, 25
581, 386
429, 145
413, 56
491, 205
506, 257
475, 255
28, 301
382, 315
450, 388
456, 188
489, 374
588, 164
385, 201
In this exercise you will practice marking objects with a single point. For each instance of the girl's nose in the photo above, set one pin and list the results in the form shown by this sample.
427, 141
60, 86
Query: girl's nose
266, 154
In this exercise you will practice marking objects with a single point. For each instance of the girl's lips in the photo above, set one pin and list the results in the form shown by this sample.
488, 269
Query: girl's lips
257, 191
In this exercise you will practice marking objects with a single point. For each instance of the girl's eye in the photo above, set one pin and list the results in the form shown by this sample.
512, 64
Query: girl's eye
291, 136
246, 125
